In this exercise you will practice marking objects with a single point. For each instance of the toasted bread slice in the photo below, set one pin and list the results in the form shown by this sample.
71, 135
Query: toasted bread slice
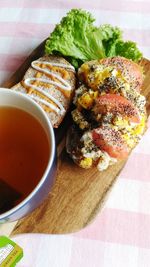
47, 90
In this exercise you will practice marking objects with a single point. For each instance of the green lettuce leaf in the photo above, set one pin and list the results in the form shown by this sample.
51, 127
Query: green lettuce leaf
79, 40
126, 49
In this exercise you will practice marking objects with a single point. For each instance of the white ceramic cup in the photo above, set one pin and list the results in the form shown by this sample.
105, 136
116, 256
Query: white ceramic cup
11, 98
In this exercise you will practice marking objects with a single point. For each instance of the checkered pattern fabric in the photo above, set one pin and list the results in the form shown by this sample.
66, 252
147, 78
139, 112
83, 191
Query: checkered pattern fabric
120, 235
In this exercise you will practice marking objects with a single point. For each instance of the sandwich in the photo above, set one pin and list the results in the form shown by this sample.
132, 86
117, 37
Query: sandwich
109, 117
50, 81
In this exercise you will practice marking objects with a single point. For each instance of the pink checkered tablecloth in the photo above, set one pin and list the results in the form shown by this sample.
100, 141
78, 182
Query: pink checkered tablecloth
120, 235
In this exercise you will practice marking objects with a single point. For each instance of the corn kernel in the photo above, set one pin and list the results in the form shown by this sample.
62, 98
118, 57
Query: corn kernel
120, 122
140, 127
100, 76
95, 94
86, 163
86, 101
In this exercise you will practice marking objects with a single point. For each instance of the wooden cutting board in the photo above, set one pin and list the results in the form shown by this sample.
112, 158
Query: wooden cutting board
78, 194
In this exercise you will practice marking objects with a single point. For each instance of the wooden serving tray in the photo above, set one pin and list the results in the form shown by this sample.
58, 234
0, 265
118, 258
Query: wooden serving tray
78, 194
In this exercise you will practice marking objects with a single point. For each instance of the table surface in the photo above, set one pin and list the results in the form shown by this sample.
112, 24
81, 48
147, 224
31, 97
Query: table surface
120, 235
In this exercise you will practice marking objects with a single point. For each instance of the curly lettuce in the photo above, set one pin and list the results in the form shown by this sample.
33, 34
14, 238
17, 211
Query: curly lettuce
79, 40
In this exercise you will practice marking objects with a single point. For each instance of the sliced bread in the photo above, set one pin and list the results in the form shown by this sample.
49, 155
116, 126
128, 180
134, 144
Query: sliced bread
50, 81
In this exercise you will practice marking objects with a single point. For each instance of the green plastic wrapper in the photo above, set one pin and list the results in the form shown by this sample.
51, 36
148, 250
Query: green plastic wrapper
10, 252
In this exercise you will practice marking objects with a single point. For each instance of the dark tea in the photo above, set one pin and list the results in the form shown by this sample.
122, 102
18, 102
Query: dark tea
24, 155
